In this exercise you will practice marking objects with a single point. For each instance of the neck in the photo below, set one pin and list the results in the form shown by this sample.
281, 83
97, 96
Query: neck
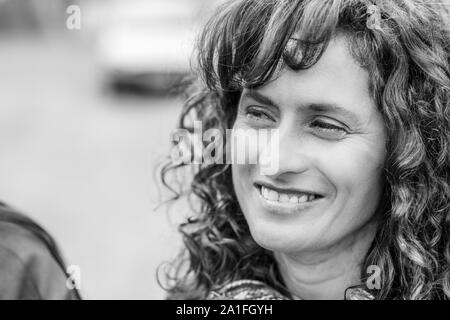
327, 273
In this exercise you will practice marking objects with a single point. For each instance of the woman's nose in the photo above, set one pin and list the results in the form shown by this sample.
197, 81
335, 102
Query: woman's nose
287, 154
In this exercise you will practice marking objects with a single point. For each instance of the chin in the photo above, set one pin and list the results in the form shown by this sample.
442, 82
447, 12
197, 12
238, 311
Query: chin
280, 241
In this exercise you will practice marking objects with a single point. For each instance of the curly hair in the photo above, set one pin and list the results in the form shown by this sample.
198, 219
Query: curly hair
407, 58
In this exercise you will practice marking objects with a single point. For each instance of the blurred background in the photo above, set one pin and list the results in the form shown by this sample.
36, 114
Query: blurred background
85, 116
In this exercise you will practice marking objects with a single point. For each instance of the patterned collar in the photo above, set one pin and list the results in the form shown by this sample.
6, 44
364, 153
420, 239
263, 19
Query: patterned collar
257, 290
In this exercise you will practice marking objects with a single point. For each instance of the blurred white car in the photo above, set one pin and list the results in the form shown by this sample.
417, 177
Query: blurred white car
146, 44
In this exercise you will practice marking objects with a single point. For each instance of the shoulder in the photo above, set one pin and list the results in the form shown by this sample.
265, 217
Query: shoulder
27, 268
245, 290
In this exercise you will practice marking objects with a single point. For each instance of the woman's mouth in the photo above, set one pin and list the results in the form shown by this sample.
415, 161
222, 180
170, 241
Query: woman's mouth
286, 201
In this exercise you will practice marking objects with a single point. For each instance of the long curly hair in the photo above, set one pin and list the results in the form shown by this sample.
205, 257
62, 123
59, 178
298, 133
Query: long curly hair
406, 53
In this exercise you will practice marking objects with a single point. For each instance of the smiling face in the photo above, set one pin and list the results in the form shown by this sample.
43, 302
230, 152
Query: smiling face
331, 153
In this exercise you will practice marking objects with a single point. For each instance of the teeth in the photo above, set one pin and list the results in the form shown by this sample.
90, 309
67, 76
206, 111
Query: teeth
284, 198
265, 192
272, 195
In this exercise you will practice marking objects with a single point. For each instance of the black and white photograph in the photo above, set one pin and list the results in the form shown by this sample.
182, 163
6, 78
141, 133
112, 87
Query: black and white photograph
245, 150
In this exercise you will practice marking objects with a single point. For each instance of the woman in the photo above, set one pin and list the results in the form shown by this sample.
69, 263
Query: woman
31, 266
358, 206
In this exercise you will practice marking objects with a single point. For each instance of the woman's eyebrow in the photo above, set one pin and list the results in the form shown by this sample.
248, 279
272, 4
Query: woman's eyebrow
332, 108
255, 95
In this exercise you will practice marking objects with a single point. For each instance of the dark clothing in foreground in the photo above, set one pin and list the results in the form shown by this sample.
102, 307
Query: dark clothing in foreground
30, 264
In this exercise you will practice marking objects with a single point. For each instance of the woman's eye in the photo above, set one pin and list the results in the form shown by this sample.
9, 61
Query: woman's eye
258, 115
327, 129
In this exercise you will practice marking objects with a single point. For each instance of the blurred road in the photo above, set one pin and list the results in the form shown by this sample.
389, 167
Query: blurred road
80, 162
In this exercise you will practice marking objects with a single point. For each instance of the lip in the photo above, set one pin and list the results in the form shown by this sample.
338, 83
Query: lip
258, 184
285, 208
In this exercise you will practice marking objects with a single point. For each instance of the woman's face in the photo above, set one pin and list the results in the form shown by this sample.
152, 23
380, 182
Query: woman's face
331, 152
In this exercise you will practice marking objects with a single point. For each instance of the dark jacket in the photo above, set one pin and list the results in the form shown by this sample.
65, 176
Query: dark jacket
30, 264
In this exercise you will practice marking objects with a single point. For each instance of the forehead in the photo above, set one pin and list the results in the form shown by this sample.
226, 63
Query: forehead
335, 79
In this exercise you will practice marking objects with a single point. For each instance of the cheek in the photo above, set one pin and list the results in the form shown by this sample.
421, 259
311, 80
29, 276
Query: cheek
240, 175
236, 174
356, 171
